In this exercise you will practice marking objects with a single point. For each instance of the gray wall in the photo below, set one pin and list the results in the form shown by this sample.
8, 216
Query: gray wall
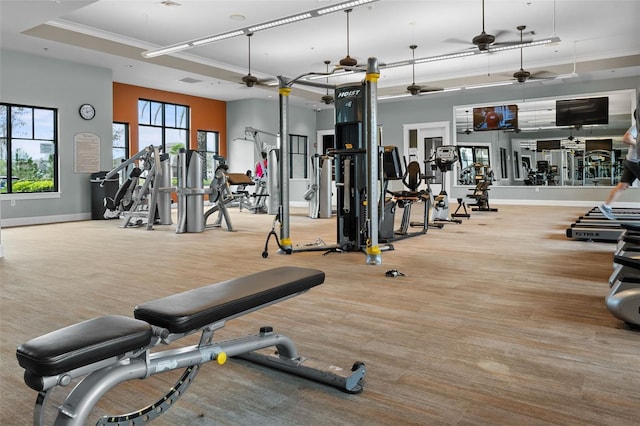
41, 81
438, 107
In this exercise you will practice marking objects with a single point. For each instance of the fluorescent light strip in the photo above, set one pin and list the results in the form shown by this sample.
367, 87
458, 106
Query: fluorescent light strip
407, 62
451, 56
404, 95
264, 26
529, 44
217, 38
470, 53
169, 49
279, 22
343, 6
496, 84
335, 74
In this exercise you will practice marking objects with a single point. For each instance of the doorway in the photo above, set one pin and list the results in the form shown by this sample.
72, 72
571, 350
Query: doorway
420, 142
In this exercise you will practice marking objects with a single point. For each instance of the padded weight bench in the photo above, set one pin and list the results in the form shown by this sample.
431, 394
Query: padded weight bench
109, 350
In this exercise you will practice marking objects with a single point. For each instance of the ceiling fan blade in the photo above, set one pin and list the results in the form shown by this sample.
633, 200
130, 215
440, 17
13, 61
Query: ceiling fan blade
431, 89
543, 75
456, 40
500, 33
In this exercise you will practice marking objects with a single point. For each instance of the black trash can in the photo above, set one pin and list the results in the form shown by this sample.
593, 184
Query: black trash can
100, 191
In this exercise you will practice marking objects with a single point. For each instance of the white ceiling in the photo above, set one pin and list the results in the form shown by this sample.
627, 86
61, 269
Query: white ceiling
600, 38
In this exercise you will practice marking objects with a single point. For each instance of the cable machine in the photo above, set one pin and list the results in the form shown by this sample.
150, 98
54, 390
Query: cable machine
356, 166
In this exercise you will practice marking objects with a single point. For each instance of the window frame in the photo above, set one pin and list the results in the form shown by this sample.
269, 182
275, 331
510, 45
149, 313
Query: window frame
302, 141
161, 122
209, 156
126, 146
7, 136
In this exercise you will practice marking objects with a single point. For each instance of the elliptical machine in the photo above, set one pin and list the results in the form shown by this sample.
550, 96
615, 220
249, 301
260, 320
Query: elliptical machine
443, 159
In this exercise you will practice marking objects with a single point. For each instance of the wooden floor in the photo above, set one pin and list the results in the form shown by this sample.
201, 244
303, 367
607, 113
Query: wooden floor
499, 320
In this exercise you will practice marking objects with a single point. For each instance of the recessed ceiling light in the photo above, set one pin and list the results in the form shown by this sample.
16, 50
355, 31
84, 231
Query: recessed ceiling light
237, 17
190, 80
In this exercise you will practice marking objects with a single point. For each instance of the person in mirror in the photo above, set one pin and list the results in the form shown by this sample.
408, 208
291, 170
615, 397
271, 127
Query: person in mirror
630, 171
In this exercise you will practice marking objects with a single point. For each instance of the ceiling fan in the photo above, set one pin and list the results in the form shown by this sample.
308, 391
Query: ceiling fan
484, 40
414, 89
250, 80
522, 75
467, 131
348, 61
327, 99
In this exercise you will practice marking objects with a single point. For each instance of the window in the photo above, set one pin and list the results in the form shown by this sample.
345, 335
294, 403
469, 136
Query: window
163, 124
209, 147
120, 143
298, 157
28, 149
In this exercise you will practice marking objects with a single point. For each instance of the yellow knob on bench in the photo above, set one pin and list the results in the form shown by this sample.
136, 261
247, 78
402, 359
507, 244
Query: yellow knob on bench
221, 358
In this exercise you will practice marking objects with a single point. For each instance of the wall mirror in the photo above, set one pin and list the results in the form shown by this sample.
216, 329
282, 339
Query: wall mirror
525, 147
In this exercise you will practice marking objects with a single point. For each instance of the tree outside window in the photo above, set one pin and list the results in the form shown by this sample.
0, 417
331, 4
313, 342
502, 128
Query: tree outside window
209, 147
120, 143
28, 149
165, 125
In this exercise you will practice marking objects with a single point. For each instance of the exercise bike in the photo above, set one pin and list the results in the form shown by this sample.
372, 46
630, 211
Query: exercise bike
442, 159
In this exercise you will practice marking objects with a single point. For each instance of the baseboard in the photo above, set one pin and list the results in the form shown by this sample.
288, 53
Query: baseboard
42, 220
559, 203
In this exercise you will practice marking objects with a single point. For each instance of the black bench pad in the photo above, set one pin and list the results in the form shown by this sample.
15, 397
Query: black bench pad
197, 308
82, 344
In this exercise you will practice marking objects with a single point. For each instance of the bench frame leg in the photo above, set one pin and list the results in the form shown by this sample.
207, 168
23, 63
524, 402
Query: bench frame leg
81, 400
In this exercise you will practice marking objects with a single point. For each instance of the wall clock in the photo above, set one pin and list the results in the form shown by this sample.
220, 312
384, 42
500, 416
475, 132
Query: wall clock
87, 111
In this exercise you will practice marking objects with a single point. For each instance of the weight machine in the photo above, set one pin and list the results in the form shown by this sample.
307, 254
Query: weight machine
144, 195
267, 187
356, 161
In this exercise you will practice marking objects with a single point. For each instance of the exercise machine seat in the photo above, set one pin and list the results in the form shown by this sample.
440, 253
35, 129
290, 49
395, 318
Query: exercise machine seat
413, 176
197, 308
411, 180
82, 344
239, 179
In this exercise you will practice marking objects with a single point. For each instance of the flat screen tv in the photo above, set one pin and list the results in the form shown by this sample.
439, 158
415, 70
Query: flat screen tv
503, 117
582, 112
548, 145
598, 145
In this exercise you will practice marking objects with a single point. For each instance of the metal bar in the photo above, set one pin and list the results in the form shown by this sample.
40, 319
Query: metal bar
370, 130
346, 380
285, 238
